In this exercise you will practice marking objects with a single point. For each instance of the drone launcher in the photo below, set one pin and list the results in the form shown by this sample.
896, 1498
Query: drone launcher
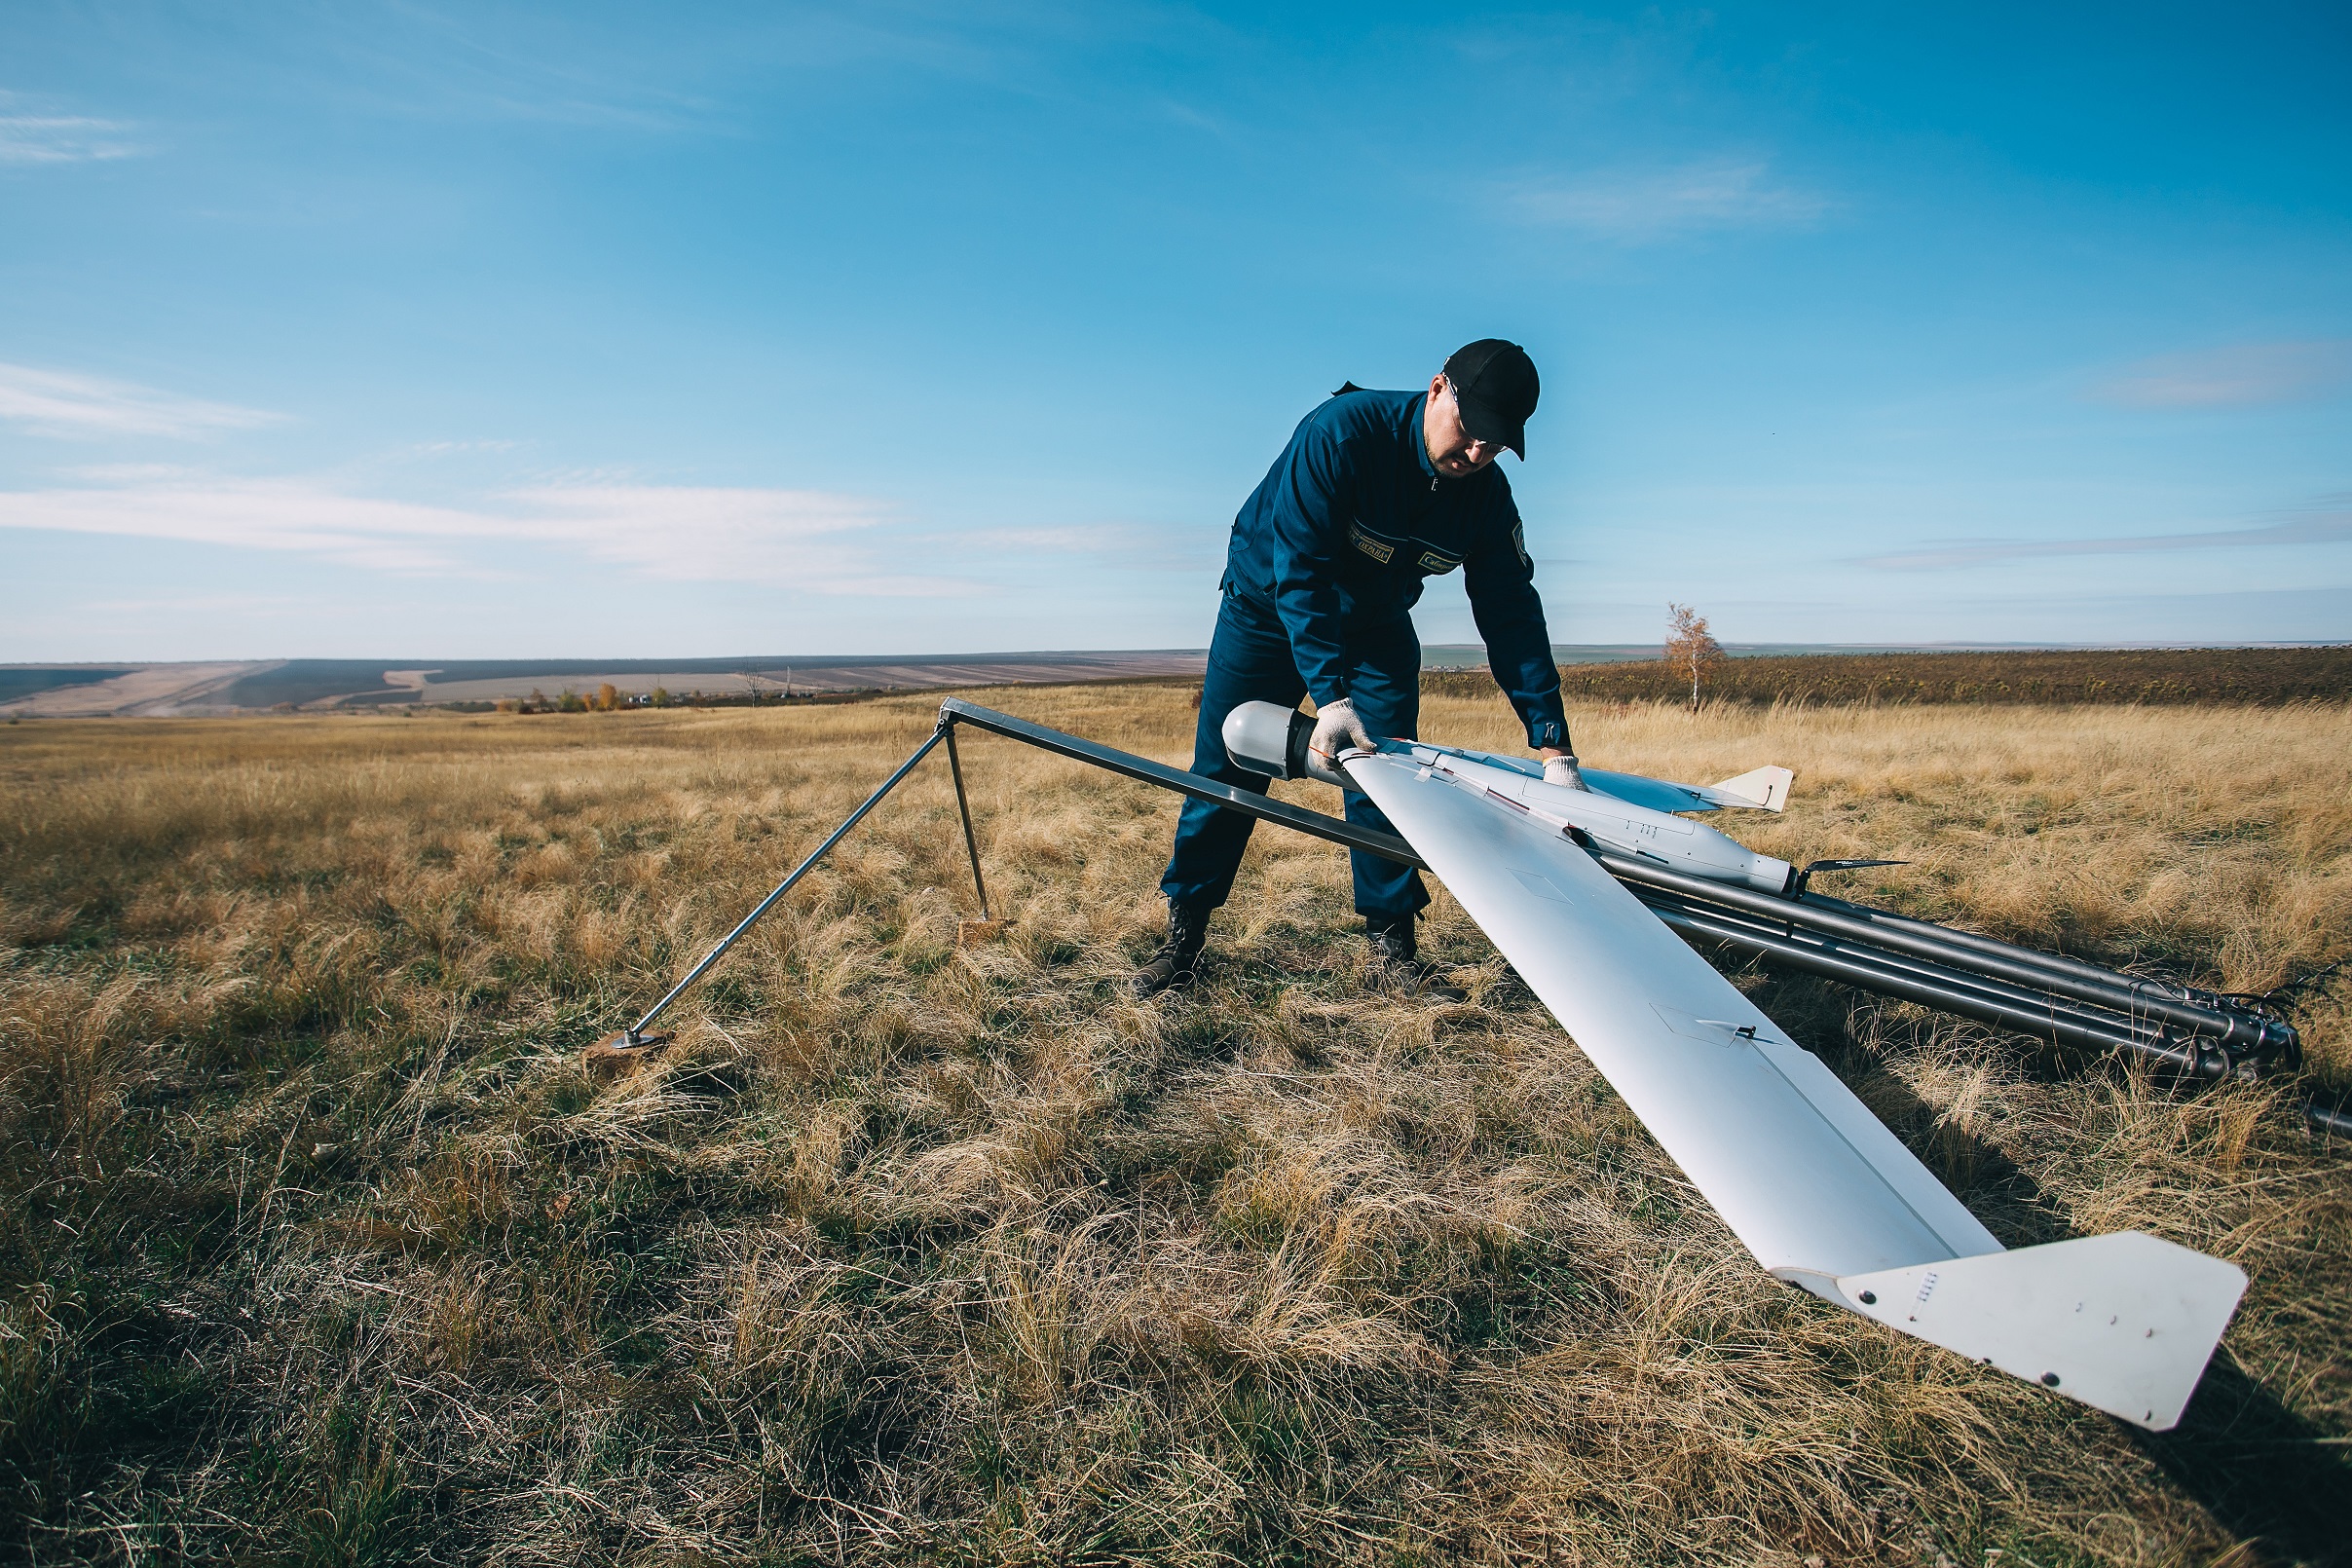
1590, 893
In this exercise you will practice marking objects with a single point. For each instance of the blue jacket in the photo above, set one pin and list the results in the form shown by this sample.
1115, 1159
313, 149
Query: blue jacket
1353, 515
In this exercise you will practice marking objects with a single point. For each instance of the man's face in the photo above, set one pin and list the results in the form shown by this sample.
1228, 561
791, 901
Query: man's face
1455, 452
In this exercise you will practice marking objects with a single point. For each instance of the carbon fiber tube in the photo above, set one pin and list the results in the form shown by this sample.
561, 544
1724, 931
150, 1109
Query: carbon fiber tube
2332, 1121
2065, 1027
2057, 962
1991, 989
2243, 1031
2325, 1119
1951, 967
2085, 982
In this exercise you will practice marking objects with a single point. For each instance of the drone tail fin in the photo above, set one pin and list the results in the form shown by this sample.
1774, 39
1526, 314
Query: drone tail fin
2123, 1323
1765, 789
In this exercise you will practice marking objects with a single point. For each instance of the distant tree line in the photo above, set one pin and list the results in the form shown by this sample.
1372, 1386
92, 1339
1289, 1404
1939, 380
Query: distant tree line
2266, 676
609, 698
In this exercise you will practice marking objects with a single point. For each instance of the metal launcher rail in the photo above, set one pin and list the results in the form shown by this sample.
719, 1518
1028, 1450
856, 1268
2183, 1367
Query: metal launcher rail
2180, 1031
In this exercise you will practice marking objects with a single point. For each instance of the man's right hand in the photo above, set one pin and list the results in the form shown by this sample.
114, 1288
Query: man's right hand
1560, 769
1336, 729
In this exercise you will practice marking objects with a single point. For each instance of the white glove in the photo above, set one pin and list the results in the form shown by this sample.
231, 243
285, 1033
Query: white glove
1336, 729
1561, 771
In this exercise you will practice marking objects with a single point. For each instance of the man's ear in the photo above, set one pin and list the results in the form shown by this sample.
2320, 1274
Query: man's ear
1436, 384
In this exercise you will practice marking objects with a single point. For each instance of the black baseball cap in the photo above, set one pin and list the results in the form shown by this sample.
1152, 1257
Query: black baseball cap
1494, 383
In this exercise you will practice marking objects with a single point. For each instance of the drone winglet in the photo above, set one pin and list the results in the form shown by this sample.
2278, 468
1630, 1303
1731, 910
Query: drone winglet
2124, 1322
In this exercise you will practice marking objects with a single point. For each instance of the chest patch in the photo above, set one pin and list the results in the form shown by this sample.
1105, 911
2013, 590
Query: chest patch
1432, 561
1371, 547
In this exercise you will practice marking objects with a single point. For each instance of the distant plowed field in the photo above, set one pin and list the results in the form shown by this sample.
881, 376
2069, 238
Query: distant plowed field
2266, 676
319, 1245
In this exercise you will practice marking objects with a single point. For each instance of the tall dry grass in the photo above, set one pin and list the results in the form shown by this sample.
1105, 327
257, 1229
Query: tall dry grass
319, 1245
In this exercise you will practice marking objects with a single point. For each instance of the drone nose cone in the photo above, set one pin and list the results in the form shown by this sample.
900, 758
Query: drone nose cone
1266, 737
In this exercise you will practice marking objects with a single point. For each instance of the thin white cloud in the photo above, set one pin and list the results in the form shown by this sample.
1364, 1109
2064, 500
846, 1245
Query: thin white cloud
2330, 523
791, 539
51, 403
63, 138
1125, 546
1640, 205
2239, 375
442, 449
1061, 538
252, 514
127, 473
1057, 538
226, 604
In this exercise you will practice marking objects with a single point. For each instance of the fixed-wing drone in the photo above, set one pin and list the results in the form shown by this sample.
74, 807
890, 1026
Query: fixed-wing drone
1812, 1184
1584, 891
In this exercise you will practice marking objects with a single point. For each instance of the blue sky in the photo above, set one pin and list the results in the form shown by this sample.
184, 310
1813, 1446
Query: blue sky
484, 330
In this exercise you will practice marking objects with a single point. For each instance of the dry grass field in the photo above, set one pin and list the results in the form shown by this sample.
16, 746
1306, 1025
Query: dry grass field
317, 1247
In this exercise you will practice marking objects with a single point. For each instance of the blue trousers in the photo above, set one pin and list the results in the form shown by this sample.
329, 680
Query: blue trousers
1250, 661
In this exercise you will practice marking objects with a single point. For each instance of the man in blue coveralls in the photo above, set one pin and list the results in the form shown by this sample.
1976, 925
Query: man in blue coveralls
1376, 491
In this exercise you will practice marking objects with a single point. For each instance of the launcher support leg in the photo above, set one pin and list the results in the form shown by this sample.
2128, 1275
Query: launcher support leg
964, 809
987, 928
634, 1039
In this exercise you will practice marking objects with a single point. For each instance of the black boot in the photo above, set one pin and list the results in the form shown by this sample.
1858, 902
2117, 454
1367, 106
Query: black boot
1395, 962
1179, 959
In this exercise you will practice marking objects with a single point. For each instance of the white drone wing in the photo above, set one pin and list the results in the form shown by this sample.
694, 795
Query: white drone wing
1813, 1183
1761, 789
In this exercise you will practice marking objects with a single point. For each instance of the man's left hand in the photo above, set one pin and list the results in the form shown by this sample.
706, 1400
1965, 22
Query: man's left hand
1336, 729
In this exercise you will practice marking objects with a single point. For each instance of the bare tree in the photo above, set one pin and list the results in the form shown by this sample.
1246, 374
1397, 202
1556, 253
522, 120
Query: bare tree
1690, 650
